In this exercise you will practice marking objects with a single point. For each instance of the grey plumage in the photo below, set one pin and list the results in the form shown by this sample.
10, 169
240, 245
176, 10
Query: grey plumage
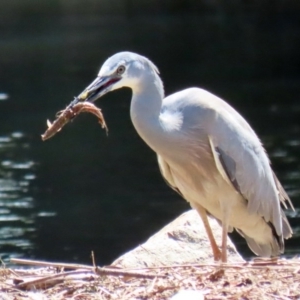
206, 151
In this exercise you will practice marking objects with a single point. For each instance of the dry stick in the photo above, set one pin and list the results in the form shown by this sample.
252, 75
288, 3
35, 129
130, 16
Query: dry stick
98, 271
49, 280
237, 265
93, 260
254, 265
47, 264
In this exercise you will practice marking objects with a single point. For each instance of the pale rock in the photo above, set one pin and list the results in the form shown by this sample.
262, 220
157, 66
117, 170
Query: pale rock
183, 241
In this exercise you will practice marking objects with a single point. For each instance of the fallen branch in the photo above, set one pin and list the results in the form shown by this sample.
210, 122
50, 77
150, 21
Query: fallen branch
49, 264
257, 264
96, 270
51, 280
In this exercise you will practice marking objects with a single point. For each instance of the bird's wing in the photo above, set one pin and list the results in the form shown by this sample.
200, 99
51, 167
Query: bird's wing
167, 174
242, 161
283, 196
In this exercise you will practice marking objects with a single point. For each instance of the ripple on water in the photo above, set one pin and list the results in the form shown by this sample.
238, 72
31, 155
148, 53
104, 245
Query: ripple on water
3, 96
17, 199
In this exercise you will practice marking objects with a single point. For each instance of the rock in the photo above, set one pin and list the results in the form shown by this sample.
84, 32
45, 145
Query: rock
183, 241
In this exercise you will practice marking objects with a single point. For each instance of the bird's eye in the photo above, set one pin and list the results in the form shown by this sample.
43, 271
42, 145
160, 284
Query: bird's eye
121, 70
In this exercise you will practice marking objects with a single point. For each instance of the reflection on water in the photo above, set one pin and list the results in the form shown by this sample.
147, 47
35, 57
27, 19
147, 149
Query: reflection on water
17, 204
3, 96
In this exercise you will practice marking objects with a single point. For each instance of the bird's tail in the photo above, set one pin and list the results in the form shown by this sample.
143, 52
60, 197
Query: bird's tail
273, 248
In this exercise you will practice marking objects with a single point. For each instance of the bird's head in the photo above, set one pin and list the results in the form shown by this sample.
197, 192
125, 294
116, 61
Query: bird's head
124, 69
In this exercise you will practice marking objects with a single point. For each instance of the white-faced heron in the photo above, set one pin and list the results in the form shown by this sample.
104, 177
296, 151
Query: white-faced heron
206, 152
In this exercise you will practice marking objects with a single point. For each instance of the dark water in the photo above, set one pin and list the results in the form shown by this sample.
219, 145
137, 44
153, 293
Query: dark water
82, 190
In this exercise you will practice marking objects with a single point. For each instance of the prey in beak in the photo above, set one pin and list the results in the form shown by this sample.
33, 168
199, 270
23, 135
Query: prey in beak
83, 103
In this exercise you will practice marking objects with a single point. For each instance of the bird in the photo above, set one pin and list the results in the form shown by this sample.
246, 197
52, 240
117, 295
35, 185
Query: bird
206, 151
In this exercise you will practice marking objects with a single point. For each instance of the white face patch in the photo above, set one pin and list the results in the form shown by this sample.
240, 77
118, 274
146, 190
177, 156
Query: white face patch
104, 71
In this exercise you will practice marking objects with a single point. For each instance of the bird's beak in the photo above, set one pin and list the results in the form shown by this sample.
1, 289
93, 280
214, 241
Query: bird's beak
99, 87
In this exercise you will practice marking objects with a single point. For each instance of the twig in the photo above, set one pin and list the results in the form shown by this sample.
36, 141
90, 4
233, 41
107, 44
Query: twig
238, 265
49, 264
104, 271
93, 260
97, 270
48, 281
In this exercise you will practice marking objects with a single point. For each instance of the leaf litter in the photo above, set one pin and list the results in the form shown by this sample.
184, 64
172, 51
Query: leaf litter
259, 279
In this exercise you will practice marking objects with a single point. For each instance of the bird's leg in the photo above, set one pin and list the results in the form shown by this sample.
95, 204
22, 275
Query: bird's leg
225, 217
216, 251
224, 243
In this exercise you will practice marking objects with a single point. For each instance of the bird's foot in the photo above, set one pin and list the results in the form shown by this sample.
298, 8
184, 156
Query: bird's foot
224, 256
217, 254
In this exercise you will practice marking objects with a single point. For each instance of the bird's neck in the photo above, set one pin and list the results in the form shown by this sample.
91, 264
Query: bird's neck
145, 109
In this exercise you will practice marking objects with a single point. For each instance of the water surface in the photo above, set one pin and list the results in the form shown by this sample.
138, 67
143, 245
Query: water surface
82, 190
